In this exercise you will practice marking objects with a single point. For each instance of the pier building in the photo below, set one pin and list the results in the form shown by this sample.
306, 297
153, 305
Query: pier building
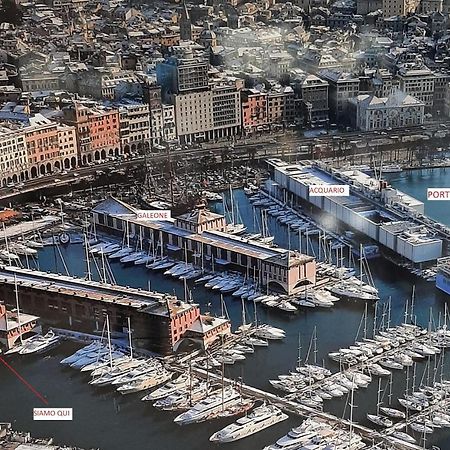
443, 275
13, 325
200, 236
159, 321
373, 208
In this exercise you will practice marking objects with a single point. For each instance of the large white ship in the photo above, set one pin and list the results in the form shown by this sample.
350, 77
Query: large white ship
214, 403
260, 418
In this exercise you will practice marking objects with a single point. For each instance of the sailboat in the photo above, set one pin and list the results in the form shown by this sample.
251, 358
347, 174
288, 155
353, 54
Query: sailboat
376, 418
235, 226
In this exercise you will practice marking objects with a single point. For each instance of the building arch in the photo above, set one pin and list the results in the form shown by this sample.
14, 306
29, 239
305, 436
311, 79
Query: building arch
103, 154
42, 169
116, 152
26, 174
133, 148
73, 162
277, 285
126, 149
97, 155
57, 165
15, 178
34, 172
89, 158
66, 163
84, 160
49, 168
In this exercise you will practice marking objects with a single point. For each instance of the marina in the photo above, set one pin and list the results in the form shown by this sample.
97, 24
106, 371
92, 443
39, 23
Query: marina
328, 342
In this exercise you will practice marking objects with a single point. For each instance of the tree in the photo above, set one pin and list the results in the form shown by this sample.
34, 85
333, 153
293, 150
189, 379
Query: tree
10, 12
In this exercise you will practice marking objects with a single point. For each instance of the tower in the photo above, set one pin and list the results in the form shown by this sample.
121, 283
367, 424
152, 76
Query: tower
185, 24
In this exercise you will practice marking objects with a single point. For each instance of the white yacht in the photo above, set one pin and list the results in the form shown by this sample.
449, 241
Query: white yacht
145, 381
214, 403
259, 419
96, 345
40, 344
172, 386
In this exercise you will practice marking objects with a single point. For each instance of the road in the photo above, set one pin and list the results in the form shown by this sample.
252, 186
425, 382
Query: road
277, 145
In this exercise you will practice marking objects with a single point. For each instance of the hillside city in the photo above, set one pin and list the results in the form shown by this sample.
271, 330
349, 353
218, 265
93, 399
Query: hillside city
82, 82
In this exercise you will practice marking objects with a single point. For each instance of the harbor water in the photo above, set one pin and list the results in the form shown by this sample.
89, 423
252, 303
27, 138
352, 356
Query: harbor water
104, 419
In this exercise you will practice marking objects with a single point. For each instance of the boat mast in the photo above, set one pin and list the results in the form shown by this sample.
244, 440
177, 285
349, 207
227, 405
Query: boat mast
375, 319
299, 357
6, 243
129, 338
88, 263
379, 396
413, 298
16, 290
109, 342
365, 321
351, 408
360, 266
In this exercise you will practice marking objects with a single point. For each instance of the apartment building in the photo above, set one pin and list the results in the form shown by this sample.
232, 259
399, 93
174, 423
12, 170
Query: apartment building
13, 156
281, 106
42, 143
254, 109
226, 110
134, 127
342, 86
392, 8
181, 74
193, 115
312, 94
97, 129
419, 83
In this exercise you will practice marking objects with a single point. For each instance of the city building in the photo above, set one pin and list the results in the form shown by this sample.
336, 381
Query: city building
134, 127
369, 112
181, 75
97, 129
342, 86
312, 98
13, 156
254, 109
373, 208
201, 233
398, 7
15, 326
419, 83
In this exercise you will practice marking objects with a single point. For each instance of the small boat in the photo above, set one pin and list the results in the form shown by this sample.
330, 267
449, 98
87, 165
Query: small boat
421, 428
40, 344
403, 437
380, 420
392, 412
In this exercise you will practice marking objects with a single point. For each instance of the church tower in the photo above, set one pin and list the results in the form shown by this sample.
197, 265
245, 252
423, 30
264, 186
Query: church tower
185, 24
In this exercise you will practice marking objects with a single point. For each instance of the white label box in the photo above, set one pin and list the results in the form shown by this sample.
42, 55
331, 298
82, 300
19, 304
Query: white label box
438, 194
52, 414
154, 214
329, 190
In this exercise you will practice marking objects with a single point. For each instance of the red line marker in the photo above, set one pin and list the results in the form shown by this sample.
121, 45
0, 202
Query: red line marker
25, 382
